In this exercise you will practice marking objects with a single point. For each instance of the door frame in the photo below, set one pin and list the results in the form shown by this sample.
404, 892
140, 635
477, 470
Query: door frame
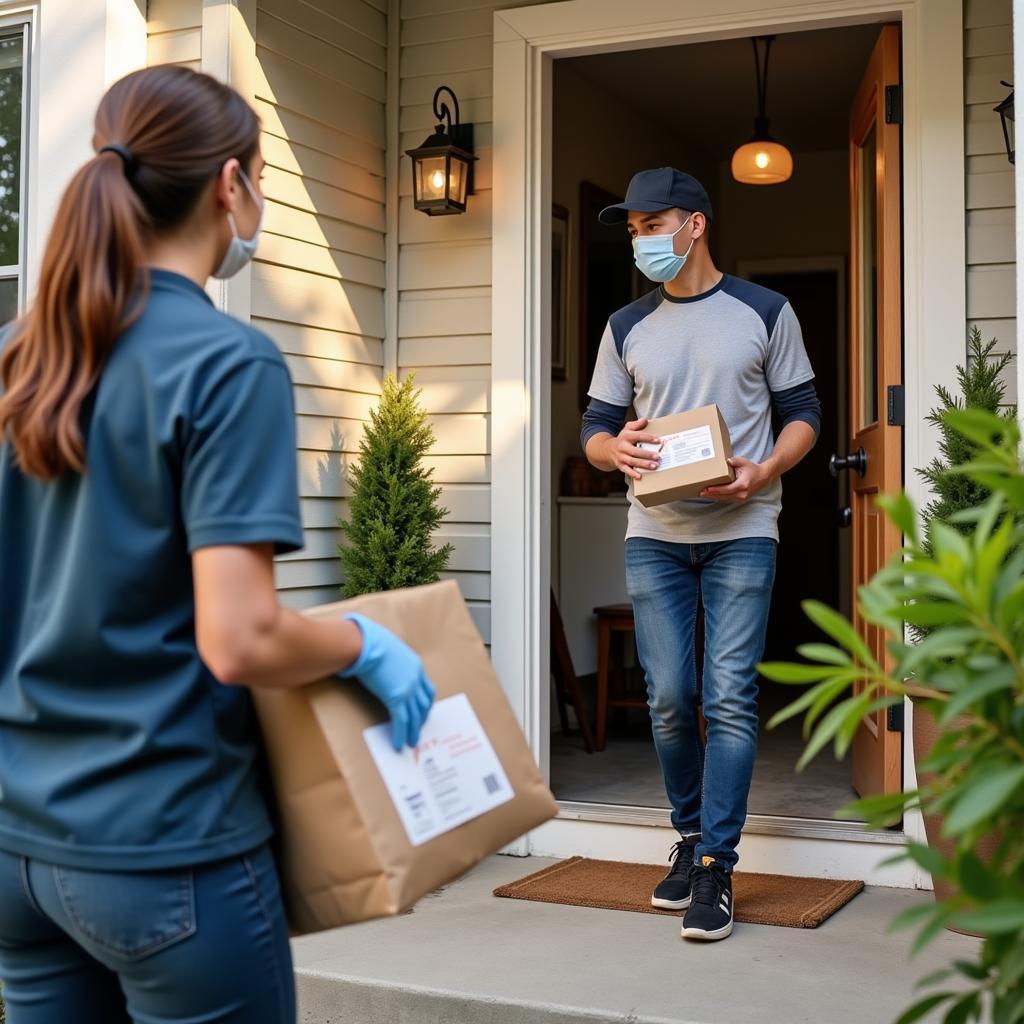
526, 41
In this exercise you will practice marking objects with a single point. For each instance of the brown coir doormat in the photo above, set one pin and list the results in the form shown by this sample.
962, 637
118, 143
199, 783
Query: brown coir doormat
785, 900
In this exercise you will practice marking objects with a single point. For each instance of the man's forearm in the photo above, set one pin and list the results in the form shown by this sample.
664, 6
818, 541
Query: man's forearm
795, 440
597, 452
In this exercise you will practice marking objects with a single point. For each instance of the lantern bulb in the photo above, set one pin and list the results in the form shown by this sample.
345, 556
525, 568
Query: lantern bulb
437, 180
761, 160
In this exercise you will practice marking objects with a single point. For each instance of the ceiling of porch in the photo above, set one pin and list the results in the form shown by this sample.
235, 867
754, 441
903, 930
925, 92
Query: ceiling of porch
707, 91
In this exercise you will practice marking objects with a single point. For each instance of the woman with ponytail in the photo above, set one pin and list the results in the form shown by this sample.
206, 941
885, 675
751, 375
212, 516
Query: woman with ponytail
147, 477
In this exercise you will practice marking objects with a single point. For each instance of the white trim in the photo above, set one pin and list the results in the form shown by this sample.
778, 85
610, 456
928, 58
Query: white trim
229, 53
526, 41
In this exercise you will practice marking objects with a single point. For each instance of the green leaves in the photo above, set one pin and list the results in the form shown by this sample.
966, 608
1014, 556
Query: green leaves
983, 800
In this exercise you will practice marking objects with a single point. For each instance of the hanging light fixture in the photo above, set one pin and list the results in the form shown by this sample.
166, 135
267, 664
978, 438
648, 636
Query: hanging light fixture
1005, 112
762, 160
442, 167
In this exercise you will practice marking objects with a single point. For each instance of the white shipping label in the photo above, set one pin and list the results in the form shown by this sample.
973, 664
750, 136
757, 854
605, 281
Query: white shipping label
452, 776
682, 449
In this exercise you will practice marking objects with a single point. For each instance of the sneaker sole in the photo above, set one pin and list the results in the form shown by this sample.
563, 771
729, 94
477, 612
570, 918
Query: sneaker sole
702, 935
670, 904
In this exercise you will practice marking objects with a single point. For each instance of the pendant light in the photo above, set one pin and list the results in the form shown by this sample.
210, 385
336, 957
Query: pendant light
762, 160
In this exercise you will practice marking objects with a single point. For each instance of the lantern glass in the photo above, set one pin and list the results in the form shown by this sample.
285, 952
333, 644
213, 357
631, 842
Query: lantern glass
458, 175
431, 178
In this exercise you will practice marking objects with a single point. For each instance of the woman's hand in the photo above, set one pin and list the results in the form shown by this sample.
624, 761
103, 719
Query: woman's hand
393, 672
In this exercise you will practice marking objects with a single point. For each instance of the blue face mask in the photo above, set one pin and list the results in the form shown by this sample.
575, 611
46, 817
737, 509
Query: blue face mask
655, 255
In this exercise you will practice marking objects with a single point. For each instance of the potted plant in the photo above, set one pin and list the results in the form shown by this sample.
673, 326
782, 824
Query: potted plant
981, 386
394, 509
969, 670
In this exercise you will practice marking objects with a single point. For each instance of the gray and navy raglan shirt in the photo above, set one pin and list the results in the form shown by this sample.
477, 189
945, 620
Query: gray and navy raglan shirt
737, 345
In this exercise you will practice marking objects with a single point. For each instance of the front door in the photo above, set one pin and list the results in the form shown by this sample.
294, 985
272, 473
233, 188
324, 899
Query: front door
875, 454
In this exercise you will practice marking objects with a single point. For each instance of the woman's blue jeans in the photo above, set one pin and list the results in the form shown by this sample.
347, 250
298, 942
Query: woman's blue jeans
707, 788
203, 945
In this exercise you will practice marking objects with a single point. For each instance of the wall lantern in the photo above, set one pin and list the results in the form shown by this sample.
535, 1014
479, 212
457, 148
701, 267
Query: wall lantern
1005, 112
442, 168
762, 160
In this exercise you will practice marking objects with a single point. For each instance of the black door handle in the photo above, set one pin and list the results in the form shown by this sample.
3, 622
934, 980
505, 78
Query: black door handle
845, 516
857, 460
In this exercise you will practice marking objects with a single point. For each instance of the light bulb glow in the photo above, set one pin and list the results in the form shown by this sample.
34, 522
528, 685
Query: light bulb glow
762, 162
437, 180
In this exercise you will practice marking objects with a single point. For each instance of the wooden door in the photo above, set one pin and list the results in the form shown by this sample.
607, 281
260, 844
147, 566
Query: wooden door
875, 459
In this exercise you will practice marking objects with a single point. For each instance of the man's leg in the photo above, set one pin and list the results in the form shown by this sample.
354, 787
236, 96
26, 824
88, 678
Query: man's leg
736, 583
663, 587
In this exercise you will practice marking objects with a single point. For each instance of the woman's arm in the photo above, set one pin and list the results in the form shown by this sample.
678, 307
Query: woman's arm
244, 635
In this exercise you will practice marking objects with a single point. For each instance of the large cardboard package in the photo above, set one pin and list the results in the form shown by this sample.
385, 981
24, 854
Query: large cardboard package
695, 446
354, 846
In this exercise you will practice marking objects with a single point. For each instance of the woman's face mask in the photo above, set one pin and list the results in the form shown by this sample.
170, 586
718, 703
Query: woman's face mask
655, 255
240, 250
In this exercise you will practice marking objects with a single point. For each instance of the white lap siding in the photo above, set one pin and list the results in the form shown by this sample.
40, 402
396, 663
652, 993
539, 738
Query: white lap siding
991, 270
174, 32
318, 282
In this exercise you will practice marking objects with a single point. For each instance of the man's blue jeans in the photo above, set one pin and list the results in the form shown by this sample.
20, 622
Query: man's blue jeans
667, 582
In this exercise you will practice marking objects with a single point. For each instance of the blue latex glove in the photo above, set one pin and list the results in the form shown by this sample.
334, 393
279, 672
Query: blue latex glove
393, 672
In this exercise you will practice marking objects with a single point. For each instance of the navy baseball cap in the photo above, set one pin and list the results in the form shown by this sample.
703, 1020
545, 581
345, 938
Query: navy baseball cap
660, 189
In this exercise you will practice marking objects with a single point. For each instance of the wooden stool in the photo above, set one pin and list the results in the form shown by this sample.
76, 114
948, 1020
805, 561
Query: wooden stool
612, 618
618, 618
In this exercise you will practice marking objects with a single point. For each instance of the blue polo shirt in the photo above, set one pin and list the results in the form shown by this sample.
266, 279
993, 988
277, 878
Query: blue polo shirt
118, 747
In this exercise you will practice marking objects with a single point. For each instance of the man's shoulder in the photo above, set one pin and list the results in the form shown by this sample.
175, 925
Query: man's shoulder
767, 304
622, 321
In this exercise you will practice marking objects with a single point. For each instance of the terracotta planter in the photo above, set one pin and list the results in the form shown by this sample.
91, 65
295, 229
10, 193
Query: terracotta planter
926, 732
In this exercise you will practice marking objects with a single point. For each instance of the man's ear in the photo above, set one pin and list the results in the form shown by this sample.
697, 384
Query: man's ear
700, 224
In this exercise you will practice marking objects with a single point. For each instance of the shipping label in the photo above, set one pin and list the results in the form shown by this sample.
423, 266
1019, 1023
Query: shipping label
683, 448
452, 775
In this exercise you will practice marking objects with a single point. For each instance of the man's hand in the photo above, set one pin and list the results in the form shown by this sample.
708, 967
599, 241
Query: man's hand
750, 478
622, 452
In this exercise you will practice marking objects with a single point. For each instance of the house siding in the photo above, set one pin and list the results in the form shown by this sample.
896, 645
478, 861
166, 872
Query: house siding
991, 268
318, 281
174, 32
444, 276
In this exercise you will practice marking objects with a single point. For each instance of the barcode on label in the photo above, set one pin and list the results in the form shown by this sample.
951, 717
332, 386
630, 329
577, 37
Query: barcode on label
491, 784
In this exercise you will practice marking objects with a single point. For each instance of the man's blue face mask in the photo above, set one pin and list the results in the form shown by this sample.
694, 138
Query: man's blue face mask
655, 255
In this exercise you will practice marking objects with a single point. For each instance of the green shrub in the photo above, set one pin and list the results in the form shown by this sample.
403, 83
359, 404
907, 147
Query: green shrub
394, 506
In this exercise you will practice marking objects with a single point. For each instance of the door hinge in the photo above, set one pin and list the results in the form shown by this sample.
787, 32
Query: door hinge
894, 718
894, 104
894, 412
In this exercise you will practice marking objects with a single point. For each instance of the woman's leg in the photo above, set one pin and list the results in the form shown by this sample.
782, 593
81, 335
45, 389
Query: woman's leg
46, 976
207, 945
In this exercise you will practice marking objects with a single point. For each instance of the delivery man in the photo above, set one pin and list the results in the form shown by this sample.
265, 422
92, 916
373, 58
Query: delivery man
701, 337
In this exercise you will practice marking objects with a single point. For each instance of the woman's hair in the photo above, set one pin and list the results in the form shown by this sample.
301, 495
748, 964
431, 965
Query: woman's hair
172, 130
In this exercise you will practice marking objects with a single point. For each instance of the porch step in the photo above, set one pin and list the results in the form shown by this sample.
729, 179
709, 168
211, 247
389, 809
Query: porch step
464, 957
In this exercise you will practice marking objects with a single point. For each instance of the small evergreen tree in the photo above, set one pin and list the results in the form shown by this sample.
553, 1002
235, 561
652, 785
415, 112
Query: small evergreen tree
981, 387
394, 505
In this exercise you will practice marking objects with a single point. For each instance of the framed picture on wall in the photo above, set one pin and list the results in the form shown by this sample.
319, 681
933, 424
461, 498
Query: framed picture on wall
559, 291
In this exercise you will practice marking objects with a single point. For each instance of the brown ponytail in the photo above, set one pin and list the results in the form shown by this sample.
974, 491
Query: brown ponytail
174, 129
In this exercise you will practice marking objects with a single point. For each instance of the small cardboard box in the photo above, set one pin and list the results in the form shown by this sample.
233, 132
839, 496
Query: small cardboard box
694, 448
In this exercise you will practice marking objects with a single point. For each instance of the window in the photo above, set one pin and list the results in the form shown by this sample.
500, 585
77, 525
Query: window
12, 119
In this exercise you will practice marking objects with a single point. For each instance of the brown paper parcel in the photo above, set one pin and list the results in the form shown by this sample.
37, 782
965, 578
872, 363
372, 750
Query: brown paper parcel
345, 854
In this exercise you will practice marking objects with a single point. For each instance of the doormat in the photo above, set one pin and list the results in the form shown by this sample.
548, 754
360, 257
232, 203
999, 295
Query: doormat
789, 901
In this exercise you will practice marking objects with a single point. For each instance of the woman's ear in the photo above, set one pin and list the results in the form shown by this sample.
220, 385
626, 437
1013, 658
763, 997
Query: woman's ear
228, 184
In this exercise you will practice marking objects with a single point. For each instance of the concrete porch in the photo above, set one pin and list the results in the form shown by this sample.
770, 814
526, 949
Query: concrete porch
463, 957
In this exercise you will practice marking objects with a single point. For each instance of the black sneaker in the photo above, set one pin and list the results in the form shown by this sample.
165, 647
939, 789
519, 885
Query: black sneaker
710, 915
673, 891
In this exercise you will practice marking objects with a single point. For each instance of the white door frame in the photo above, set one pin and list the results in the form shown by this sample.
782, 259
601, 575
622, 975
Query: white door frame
526, 41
